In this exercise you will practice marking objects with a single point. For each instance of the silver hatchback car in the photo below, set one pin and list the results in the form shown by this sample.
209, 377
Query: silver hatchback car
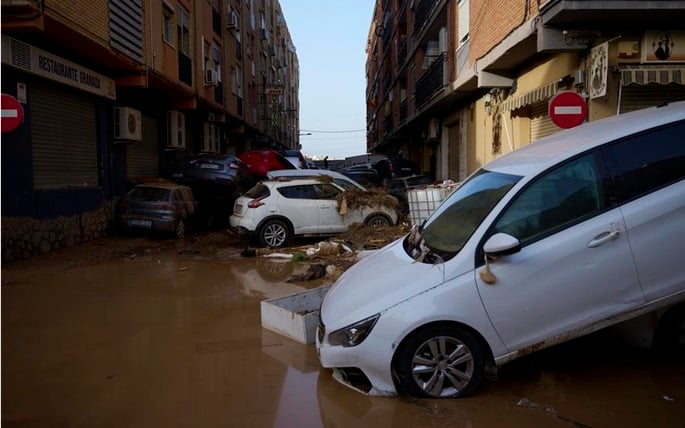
161, 207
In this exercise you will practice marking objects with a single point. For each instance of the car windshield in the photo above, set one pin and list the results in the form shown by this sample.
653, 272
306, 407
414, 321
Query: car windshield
456, 219
149, 194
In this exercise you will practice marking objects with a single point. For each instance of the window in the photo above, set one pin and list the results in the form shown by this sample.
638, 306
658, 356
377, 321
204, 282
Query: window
183, 31
561, 198
326, 191
211, 137
167, 26
216, 57
647, 162
457, 218
306, 191
463, 22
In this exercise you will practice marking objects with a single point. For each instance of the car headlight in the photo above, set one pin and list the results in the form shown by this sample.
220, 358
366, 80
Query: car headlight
353, 334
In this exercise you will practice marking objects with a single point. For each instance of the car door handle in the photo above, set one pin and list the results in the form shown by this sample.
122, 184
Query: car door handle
603, 238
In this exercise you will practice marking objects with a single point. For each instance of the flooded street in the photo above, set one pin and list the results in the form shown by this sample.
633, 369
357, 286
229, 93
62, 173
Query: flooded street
174, 338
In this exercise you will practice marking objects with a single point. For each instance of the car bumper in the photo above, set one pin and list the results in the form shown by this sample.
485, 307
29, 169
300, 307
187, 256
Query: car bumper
366, 368
156, 224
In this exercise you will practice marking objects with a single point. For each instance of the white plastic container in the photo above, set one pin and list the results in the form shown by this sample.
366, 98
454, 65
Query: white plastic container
422, 202
295, 316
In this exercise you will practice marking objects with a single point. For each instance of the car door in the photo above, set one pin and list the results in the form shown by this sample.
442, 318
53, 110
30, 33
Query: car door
330, 220
649, 172
574, 268
300, 205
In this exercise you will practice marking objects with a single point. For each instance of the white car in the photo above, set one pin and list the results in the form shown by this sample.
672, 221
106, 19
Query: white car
278, 210
567, 235
340, 179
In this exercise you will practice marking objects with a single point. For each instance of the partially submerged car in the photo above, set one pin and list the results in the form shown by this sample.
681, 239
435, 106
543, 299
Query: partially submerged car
275, 211
158, 207
573, 233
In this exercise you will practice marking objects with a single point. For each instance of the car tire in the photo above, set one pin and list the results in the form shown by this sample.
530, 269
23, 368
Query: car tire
274, 234
377, 220
440, 361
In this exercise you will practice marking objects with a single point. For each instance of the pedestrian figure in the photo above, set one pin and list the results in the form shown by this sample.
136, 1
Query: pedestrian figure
325, 162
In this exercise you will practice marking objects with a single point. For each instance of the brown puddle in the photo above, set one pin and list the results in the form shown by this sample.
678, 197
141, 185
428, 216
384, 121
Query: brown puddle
165, 339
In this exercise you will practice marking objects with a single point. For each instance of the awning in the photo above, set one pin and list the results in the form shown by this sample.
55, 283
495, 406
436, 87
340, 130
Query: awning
644, 74
542, 93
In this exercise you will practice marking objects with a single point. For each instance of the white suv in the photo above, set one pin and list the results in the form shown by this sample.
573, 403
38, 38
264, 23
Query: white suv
277, 210
567, 235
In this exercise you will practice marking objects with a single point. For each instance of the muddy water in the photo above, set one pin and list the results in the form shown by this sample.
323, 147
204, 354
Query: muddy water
173, 341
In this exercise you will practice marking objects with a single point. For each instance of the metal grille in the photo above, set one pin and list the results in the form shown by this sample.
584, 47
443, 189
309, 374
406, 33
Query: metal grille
142, 159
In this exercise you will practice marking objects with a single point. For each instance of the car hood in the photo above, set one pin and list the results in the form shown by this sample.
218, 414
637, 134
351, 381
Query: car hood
378, 281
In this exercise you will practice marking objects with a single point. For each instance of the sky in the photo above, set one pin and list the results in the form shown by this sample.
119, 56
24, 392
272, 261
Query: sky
330, 40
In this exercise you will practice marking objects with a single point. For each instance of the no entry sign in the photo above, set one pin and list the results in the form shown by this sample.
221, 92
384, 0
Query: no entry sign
12, 113
567, 109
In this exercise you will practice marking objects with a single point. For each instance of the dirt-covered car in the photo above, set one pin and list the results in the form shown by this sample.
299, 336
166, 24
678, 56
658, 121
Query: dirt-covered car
158, 207
275, 211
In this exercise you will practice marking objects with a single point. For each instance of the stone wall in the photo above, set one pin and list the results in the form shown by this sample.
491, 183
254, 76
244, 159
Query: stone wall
24, 237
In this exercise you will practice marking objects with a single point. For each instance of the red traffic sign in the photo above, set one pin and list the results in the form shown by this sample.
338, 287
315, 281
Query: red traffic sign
567, 109
12, 113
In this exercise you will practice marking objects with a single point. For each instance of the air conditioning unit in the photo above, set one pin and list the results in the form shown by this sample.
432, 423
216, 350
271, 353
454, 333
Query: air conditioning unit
127, 124
211, 77
176, 129
232, 20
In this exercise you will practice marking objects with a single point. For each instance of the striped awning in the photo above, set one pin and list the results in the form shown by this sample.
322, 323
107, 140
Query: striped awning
542, 93
645, 74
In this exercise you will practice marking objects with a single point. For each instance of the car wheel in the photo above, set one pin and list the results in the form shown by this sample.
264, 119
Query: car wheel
440, 361
180, 229
274, 233
377, 220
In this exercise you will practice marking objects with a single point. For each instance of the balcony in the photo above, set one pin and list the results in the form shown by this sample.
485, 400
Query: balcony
431, 82
423, 11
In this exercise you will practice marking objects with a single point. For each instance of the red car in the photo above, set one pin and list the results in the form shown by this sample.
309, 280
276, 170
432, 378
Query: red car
261, 161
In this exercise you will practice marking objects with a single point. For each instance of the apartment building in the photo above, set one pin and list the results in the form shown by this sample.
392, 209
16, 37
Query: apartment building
454, 84
118, 91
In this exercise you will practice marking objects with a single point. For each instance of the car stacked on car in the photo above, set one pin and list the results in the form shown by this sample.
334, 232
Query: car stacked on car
216, 179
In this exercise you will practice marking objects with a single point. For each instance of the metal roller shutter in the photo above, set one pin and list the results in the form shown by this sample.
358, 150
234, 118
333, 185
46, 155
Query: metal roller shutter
64, 142
540, 123
636, 97
143, 157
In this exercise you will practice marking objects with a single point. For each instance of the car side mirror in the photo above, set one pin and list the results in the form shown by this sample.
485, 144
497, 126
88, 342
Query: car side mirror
501, 244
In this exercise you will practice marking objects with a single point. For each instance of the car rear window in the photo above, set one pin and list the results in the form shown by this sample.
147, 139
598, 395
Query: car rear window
149, 194
258, 191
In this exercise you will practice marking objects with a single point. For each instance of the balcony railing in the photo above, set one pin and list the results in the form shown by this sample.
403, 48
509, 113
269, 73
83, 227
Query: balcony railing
423, 11
431, 81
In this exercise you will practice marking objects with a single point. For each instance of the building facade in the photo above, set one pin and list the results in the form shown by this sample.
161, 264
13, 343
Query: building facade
454, 84
118, 91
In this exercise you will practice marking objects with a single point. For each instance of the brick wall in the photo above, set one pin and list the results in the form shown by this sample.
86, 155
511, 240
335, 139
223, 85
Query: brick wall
90, 17
491, 21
